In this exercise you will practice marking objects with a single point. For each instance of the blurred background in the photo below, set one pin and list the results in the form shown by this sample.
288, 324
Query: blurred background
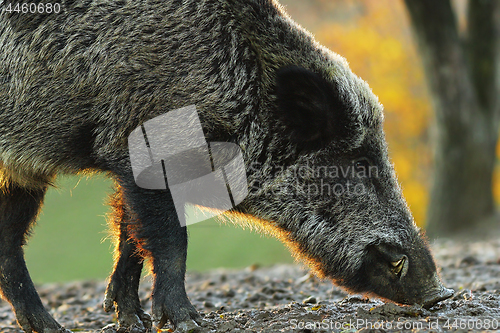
376, 37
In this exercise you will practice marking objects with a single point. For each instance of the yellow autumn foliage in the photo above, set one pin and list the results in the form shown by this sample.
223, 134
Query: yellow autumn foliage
379, 47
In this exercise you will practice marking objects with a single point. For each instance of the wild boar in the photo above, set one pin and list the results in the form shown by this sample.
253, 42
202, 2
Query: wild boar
78, 78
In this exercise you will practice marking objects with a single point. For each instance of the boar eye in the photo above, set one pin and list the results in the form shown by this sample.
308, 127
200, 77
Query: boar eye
399, 267
362, 164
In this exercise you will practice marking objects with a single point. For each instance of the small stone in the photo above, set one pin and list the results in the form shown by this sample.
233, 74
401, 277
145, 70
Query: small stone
310, 300
111, 328
256, 297
253, 267
468, 261
278, 296
229, 293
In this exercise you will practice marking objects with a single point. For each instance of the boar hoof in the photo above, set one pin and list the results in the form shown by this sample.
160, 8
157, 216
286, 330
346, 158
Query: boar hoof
118, 328
42, 324
188, 326
131, 318
177, 313
134, 323
139, 322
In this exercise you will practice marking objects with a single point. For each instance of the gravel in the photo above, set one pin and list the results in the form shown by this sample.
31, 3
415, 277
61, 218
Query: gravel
285, 298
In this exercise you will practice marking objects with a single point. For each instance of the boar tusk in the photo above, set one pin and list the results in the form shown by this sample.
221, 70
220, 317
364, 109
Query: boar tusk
398, 265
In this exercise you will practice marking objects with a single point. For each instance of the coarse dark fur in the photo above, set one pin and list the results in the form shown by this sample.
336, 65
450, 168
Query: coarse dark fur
73, 86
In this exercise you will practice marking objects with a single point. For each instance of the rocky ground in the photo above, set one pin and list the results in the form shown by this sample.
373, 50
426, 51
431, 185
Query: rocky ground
284, 298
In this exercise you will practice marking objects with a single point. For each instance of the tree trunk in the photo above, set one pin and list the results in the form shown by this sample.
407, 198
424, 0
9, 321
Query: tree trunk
464, 84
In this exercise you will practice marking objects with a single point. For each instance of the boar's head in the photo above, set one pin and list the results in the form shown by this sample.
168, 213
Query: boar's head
324, 183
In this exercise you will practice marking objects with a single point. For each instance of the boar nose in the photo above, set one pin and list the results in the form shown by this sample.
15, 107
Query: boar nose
442, 294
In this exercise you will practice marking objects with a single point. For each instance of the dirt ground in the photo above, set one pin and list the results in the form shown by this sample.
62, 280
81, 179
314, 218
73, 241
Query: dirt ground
284, 298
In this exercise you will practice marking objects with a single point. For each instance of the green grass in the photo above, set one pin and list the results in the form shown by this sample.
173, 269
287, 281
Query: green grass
70, 239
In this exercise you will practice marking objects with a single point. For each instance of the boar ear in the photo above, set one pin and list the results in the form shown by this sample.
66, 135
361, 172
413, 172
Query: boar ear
310, 107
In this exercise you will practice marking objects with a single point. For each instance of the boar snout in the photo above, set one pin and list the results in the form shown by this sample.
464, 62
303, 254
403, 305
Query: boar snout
405, 277
436, 294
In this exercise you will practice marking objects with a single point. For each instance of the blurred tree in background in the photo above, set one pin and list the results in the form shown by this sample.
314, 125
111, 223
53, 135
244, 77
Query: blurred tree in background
375, 36
463, 71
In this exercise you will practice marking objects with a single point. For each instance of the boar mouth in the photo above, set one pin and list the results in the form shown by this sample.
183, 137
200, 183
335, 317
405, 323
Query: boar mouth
402, 277
441, 295
436, 293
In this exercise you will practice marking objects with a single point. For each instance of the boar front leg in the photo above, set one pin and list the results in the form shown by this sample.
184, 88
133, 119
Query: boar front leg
18, 209
159, 234
122, 290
